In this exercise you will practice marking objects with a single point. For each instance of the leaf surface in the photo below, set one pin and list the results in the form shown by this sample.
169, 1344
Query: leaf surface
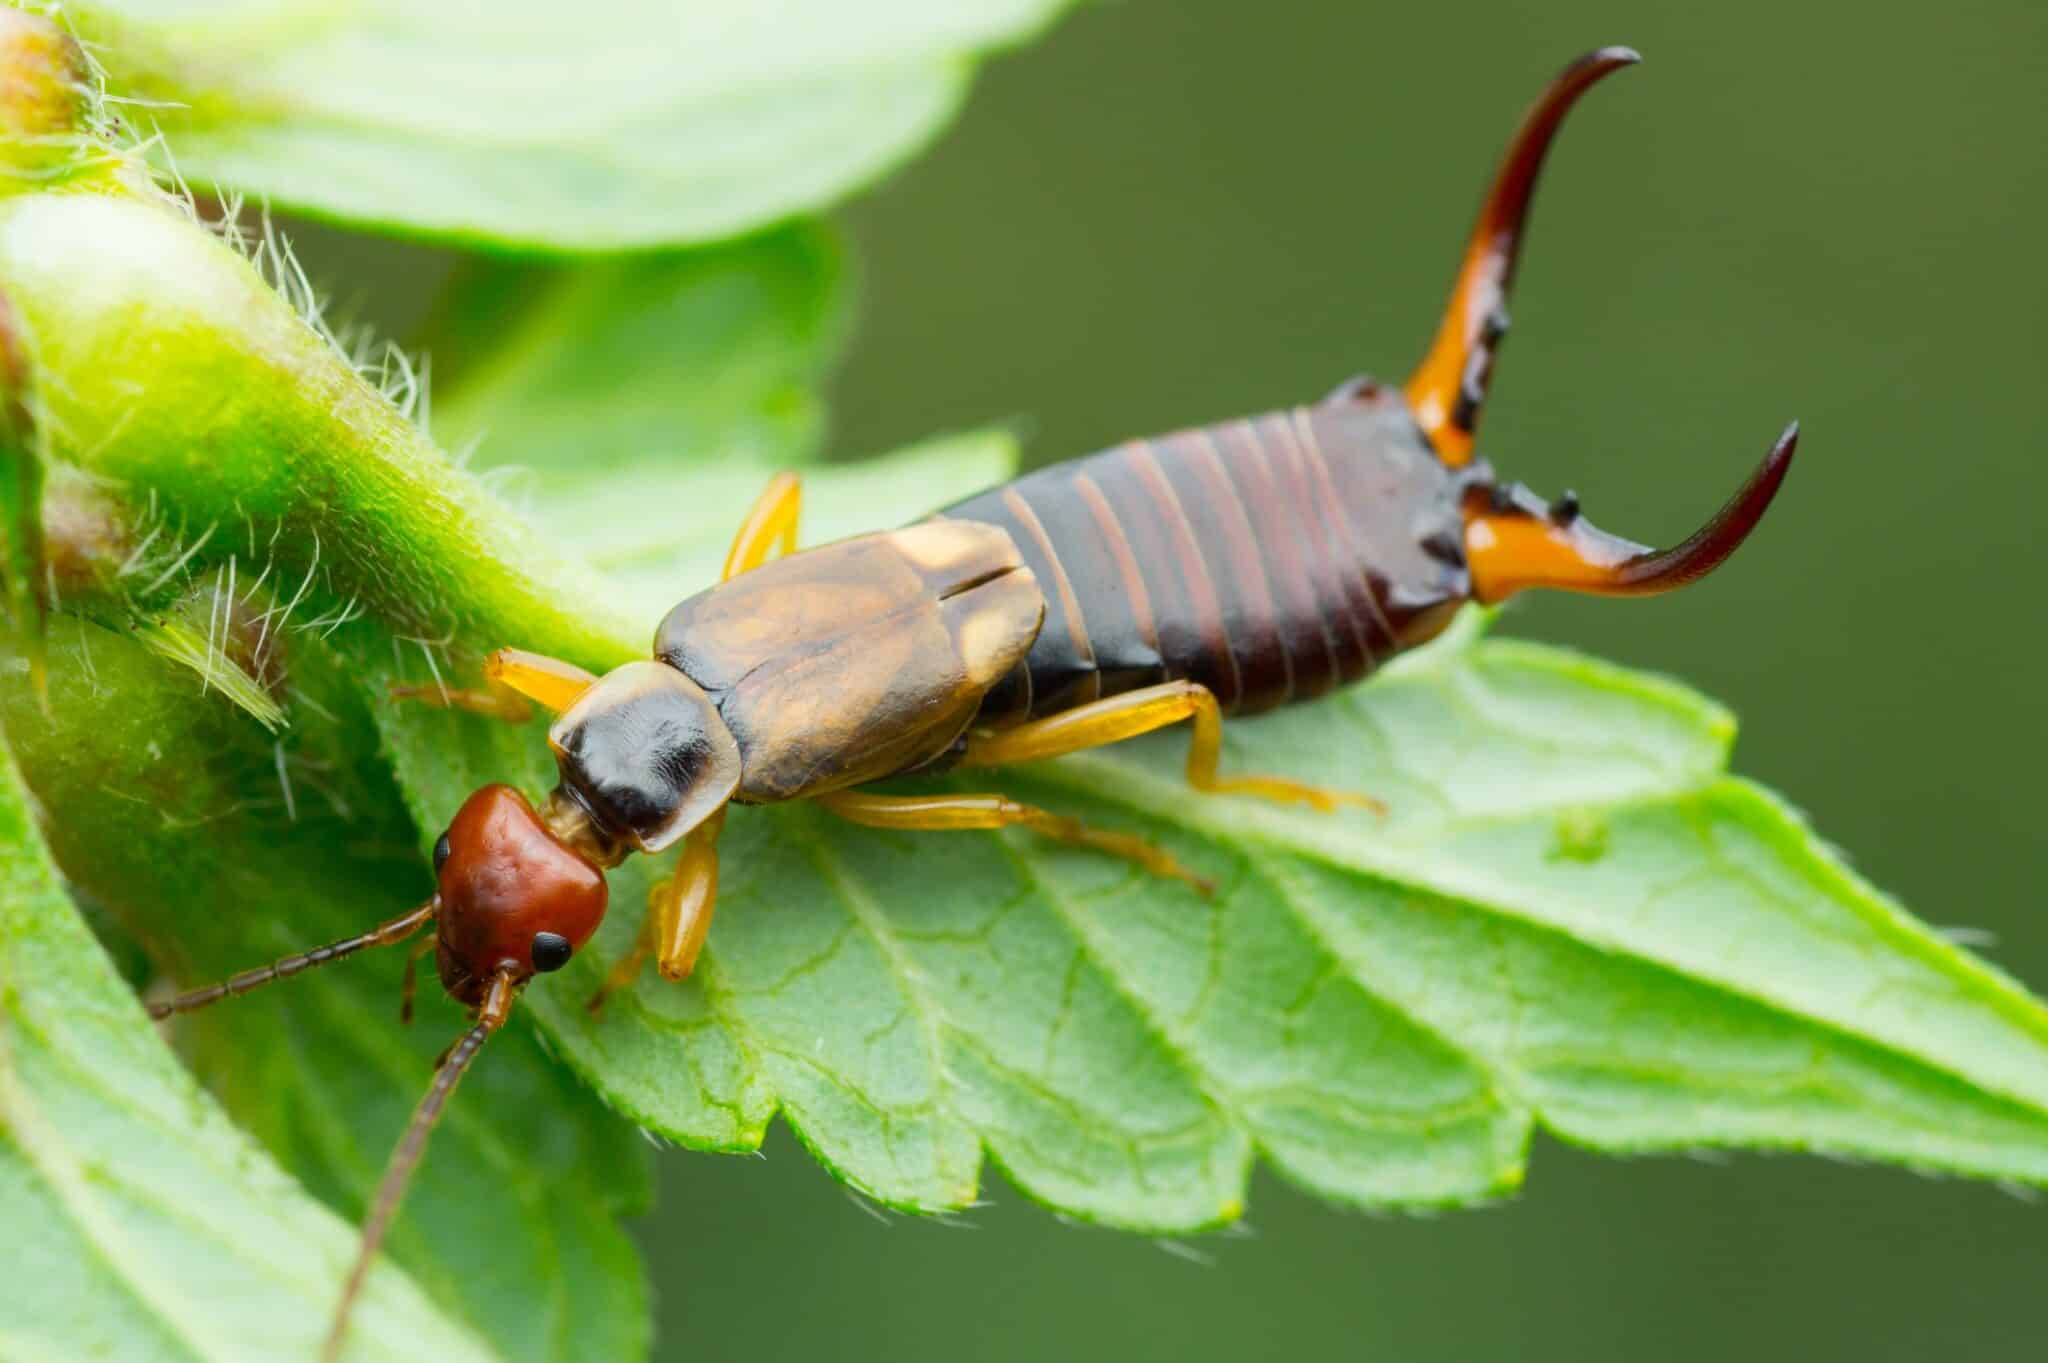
1574, 918
150, 1228
220, 848
593, 127
635, 408
576, 374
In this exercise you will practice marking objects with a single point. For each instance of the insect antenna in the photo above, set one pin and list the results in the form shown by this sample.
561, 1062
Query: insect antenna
1449, 386
384, 934
497, 1006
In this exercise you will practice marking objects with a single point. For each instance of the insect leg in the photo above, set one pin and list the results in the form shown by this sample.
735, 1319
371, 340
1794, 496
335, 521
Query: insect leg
543, 680
1136, 712
409, 984
770, 528
678, 915
626, 969
935, 812
680, 907
512, 677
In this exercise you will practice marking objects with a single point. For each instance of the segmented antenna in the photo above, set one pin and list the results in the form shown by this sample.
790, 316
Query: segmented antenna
384, 934
398, 1173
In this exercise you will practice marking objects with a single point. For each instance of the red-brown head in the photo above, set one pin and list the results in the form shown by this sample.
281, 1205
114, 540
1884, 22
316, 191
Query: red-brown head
513, 897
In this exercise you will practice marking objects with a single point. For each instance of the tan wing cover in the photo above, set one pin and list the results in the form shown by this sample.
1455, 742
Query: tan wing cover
857, 660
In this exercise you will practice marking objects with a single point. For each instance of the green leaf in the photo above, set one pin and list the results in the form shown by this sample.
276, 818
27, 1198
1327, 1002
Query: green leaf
635, 408
663, 534
1574, 918
585, 373
593, 127
136, 1222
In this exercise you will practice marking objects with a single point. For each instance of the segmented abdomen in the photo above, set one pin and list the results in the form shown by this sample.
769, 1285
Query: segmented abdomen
1269, 559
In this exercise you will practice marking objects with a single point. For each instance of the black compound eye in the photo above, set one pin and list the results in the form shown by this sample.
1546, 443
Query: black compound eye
440, 853
550, 951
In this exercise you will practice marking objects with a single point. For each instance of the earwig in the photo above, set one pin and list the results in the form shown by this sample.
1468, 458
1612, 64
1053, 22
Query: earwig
1217, 571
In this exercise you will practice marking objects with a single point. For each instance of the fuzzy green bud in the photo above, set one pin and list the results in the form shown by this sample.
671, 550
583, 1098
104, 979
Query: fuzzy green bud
45, 101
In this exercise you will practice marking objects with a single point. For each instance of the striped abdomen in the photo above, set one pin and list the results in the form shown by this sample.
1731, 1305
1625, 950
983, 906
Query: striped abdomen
1269, 559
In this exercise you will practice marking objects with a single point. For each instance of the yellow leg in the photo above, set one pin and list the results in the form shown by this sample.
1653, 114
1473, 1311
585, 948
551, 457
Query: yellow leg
680, 907
549, 682
1137, 712
770, 527
678, 915
936, 812
512, 677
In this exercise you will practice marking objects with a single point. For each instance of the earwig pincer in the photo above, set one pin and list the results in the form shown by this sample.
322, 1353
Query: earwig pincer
1222, 570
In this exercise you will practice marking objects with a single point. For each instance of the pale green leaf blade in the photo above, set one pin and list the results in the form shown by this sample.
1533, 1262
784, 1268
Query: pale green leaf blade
148, 1226
1574, 919
1637, 951
1473, 1148
595, 127
661, 534
635, 408
1456, 1127
570, 375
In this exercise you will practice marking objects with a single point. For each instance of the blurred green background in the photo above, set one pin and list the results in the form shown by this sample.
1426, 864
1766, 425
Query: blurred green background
1178, 210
